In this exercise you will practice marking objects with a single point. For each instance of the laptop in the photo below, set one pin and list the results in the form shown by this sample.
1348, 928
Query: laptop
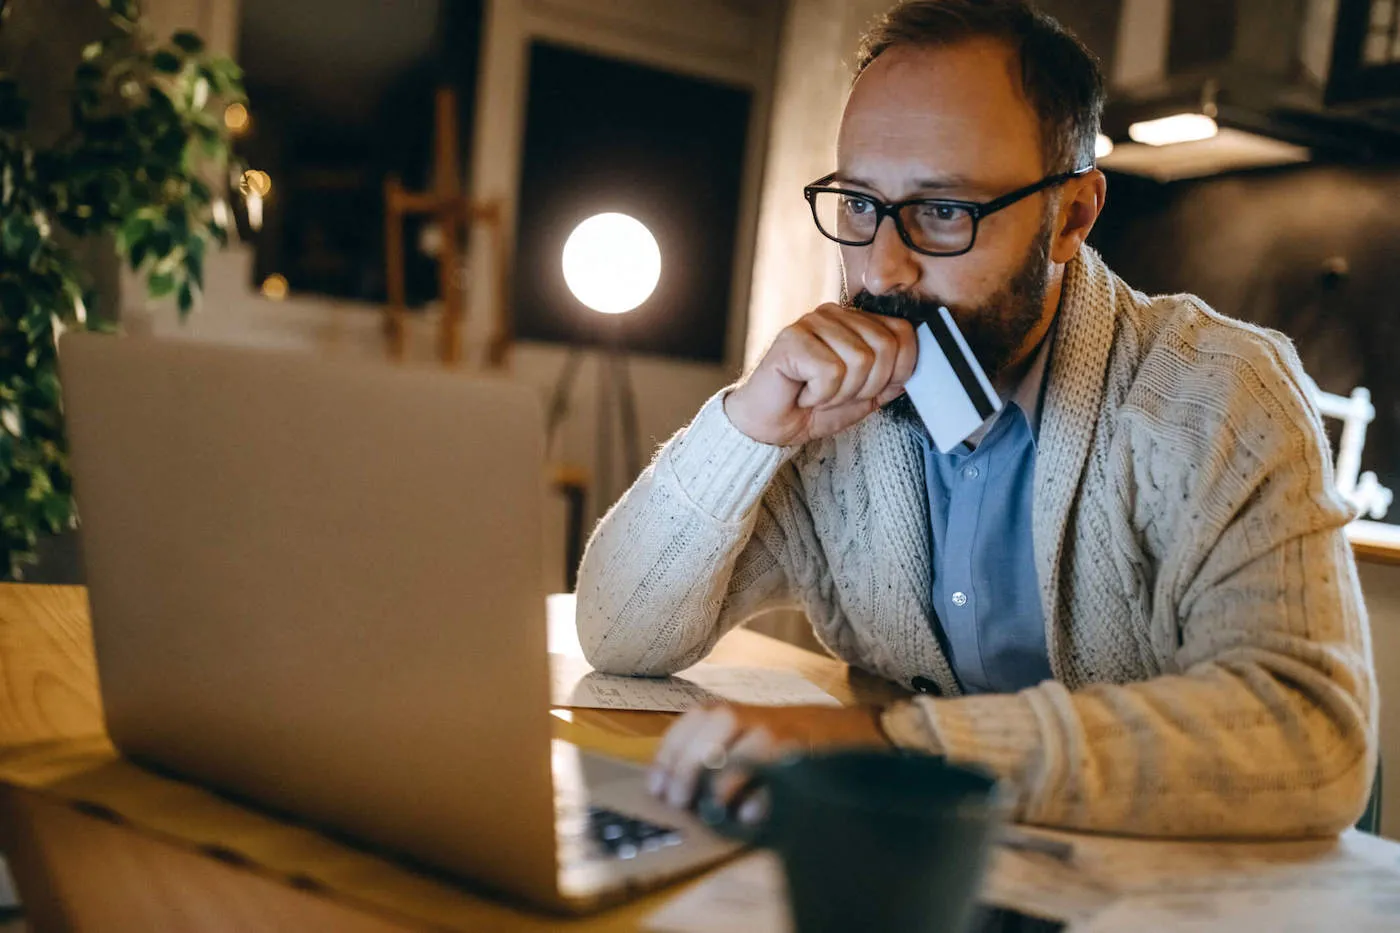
318, 586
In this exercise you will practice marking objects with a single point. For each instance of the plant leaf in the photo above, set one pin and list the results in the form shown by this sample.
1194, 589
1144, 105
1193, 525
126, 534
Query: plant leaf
138, 253
188, 42
194, 260
160, 284
13, 107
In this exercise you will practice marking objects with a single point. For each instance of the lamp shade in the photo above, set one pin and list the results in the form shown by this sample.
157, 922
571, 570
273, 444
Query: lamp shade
612, 263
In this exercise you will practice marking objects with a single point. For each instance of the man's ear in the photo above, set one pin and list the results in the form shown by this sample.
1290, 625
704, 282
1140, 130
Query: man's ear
1080, 207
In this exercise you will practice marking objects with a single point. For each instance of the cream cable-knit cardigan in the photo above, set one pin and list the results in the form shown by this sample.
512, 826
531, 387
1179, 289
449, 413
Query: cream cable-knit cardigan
1210, 648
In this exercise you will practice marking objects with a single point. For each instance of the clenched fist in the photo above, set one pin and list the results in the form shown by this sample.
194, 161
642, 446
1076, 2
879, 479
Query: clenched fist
823, 374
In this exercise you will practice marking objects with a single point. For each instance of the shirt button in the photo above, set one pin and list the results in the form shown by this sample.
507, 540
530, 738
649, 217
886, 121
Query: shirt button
924, 685
972, 473
959, 599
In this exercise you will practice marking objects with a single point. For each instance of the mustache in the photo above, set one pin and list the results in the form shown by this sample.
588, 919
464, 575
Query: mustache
912, 308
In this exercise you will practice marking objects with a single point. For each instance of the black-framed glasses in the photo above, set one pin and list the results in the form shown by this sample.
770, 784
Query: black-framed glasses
932, 226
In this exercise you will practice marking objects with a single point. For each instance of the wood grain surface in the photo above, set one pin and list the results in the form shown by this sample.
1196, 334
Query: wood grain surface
48, 676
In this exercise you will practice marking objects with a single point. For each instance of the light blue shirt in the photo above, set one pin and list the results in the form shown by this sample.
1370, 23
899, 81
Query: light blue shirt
986, 592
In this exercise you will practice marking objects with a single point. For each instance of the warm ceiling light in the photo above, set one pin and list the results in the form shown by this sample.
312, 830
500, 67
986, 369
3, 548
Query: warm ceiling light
256, 182
612, 263
1103, 147
236, 118
255, 210
274, 287
1177, 128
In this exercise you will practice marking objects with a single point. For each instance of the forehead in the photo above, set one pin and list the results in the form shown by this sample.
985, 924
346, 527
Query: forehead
928, 111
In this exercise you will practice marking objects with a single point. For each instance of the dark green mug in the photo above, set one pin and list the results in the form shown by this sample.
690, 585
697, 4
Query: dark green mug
871, 840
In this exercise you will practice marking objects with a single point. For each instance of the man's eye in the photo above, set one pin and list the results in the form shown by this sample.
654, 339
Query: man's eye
855, 205
938, 212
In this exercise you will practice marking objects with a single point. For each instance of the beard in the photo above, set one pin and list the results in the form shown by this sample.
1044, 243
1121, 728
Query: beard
994, 329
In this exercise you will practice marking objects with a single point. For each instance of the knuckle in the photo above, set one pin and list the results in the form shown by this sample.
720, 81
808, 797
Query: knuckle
901, 325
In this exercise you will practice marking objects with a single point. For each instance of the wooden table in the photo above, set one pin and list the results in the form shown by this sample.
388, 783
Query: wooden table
78, 872
1376, 542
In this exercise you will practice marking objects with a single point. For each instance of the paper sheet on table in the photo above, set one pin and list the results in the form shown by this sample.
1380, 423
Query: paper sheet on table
574, 683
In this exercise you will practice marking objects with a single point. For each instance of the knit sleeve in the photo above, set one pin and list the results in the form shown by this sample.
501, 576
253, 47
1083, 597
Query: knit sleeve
1265, 725
694, 548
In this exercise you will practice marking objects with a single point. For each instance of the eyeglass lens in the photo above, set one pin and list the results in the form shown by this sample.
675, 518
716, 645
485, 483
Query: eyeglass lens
932, 226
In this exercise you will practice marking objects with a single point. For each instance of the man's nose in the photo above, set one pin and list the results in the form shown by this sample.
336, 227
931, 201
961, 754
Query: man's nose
890, 265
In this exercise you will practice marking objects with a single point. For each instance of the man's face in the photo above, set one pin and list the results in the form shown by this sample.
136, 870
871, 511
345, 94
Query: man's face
952, 122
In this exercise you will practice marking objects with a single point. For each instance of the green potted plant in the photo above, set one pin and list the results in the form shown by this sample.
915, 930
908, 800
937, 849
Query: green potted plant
147, 160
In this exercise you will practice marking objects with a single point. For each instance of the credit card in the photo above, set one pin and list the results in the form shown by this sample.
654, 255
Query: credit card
949, 390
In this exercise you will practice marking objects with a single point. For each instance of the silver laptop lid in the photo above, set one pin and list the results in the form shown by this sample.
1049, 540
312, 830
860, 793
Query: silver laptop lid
318, 585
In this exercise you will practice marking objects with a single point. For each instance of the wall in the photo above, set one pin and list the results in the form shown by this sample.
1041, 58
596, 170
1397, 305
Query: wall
215, 20
795, 268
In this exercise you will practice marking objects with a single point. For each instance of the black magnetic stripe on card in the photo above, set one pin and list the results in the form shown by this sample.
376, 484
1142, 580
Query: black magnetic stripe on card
961, 367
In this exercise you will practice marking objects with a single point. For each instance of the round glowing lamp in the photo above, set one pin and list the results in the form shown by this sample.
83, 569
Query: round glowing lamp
612, 263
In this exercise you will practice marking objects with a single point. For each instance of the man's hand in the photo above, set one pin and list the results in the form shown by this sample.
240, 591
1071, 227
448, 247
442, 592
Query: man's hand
751, 733
823, 374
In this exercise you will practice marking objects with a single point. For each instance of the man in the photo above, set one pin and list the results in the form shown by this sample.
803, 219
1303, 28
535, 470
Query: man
1130, 595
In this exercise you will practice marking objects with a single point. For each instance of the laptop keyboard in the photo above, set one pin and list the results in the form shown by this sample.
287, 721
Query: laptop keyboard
616, 835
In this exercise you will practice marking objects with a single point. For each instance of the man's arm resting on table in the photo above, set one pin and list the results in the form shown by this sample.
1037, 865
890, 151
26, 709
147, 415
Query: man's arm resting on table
688, 553
717, 528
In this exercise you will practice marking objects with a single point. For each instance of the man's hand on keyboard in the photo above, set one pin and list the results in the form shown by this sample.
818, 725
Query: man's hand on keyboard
717, 734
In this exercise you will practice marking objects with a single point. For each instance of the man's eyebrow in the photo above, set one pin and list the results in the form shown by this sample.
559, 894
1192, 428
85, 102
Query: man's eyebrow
843, 178
931, 183
942, 182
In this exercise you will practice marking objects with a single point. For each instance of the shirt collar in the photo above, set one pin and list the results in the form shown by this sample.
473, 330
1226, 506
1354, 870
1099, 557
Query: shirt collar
1031, 391
1027, 395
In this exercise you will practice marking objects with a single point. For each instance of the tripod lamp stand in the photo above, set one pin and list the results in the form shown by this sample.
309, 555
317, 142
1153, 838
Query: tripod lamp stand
611, 265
